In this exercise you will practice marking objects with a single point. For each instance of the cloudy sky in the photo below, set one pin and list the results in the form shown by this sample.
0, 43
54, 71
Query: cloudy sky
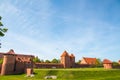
45, 28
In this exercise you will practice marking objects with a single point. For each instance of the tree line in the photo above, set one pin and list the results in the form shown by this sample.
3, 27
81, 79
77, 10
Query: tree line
37, 60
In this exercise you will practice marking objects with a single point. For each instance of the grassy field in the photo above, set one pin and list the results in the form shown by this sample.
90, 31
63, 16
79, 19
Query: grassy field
70, 74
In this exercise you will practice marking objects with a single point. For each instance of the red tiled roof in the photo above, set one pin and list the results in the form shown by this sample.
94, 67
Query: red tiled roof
106, 61
90, 60
65, 53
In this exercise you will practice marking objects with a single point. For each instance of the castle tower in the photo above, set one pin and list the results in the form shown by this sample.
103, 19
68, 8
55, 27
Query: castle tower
11, 51
72, 60
65, 59
8, 64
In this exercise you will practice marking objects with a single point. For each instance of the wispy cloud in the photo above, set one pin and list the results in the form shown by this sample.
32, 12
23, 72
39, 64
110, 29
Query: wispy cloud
47, 27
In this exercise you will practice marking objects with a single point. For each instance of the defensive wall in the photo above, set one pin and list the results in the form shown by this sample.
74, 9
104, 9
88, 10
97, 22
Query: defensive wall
66, 61
19, 63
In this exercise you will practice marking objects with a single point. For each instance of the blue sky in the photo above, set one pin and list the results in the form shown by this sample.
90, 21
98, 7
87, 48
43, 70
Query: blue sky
45, 28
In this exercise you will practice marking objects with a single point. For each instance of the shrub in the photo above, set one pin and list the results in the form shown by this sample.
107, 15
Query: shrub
1, 61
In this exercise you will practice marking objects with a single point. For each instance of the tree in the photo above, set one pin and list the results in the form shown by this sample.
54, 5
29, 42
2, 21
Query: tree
78, 62
98, 62
36, 59
2, 30
58, 60
42, 61
55, 60
1, 61
47, 61
115, 63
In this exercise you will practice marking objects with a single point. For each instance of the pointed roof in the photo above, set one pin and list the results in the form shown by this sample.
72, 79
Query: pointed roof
106, 61
118, 60
11, 51
90, 60
64, 54
72, 55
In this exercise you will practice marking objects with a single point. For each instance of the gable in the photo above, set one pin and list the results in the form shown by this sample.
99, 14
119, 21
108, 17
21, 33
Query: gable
90, 60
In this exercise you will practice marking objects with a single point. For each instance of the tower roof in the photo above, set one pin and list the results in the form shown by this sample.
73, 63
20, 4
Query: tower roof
106, 61
11, 51
72, 55
65, 53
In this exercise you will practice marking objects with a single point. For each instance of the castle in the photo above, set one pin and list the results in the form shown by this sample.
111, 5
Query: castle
18, 63
67, 61
15, 63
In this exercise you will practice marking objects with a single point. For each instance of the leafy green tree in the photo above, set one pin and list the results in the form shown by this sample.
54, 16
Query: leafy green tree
36, 59
98, 63
55, 60
115, 63
47, 61
1, 61
58, 60
2, 30
78, 62
42, 61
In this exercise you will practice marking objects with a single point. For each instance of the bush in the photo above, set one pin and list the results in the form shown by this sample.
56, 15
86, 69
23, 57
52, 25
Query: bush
1, 61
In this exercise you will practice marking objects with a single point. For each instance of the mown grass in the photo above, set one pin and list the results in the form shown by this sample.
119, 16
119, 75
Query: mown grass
70, 74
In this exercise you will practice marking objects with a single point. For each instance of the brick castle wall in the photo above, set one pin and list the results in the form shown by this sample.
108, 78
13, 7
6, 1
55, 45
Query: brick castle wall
8, 64
15, 63
0, 67
48, 65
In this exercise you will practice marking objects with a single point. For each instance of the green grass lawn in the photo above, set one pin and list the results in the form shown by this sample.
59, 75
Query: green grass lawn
70, 74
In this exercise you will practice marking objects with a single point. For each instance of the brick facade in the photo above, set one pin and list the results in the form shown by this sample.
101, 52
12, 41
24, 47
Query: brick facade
87, 60
107, 64
48, 65
19, 63
15, 63
67, 61
8, 64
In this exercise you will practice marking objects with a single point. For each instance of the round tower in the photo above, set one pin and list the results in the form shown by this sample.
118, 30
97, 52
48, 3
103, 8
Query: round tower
8, 64
11, 51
